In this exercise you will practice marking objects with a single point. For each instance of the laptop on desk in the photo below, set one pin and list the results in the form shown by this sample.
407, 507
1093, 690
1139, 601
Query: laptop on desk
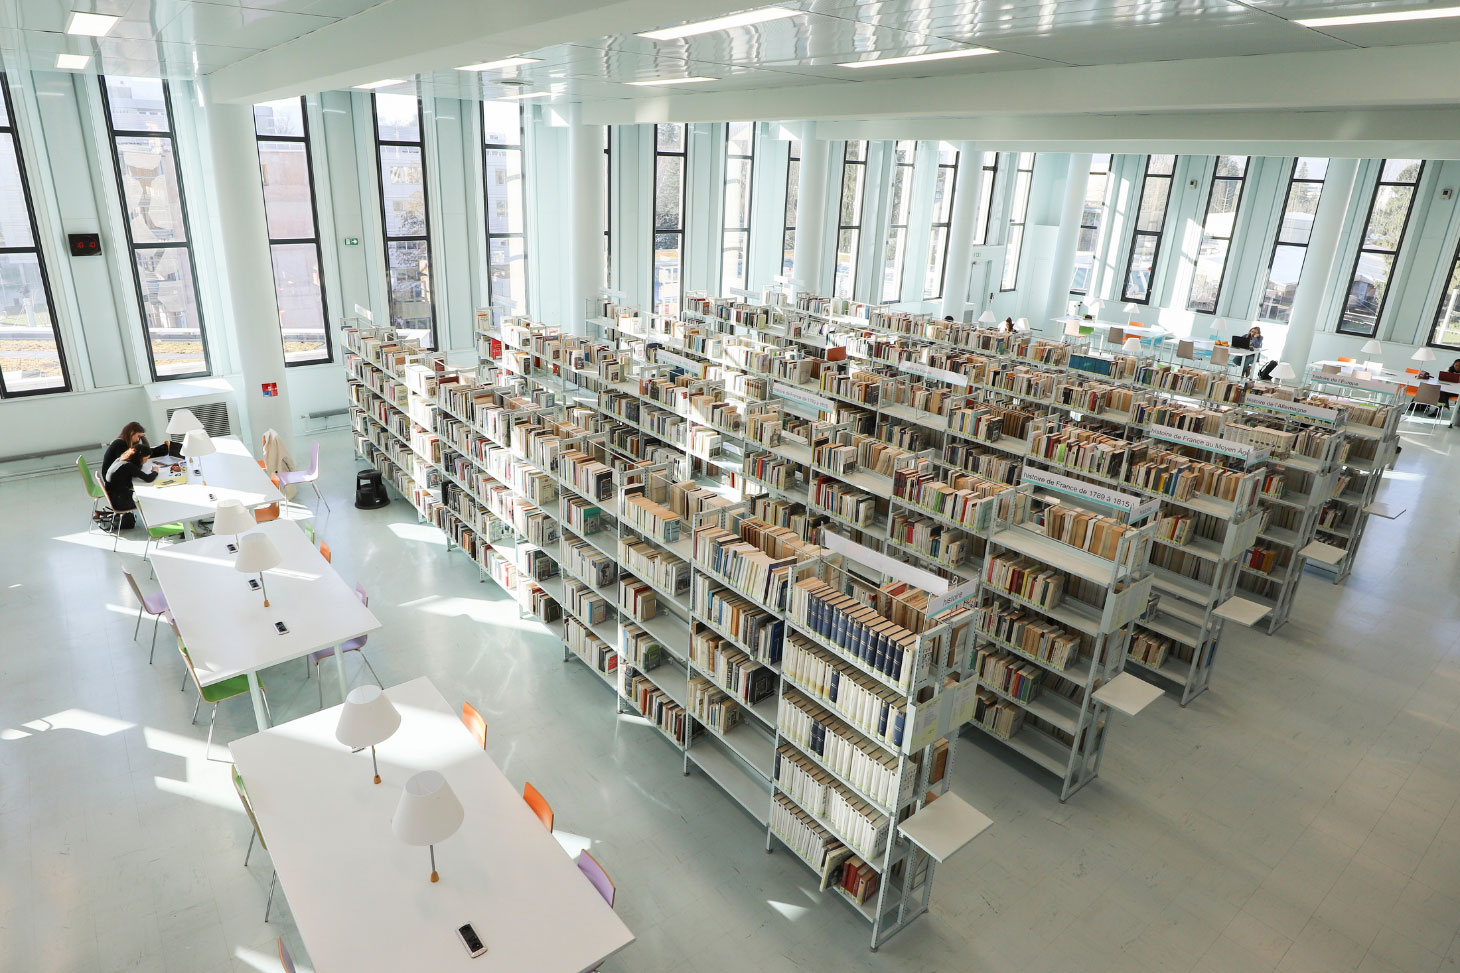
1243, 341
1450, 376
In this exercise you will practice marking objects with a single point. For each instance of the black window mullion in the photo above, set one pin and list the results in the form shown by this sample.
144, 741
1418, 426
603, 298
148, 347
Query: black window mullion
1158, 233
387, 238
132, 246
1227, 254
1380, 183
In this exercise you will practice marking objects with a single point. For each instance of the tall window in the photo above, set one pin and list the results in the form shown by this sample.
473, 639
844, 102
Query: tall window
945, 184
849, 217
139, 119
1097, 187
1389, 210
403, 212
30, 347
735, 234
607, 206
982, 225
1446, 333
1018, 212
1223, 200
1145, 242
502, 170
671, 159
1290, 246
282, 132
901, 201
793, 189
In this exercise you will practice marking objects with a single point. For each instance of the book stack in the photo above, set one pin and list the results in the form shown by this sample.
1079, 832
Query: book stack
642, 650
654, 519
638, 600
687, 499
1083, 396
583, 517
999, 467
981, 421
656, 707
859, 631
770, 470
964, 498
587, 562
1149, 648
657, 566
741, 560
929, 538
1031, 634
764, 427
588, 647
585, 603
858, 386
844, 501
860, 700
1025, 578
1082, 449
1000, 717
710, 705
864, 827
1261, 558
1008, 673
588, 475
802, 834
801, 780
1087, 531
869, 769
1175, 528
736, 673
756, 630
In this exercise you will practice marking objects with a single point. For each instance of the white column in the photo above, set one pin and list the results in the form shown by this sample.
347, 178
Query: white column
1321, 262
585, 251
811, 205
961, 227
1062, 267
250, 307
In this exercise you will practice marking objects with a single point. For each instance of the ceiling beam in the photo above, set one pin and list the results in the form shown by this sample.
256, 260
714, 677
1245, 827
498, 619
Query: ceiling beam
403, 38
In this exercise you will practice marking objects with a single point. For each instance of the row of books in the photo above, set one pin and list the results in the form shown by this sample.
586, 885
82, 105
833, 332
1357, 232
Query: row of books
1149, 647
863, 702
656, 706
655, 565
770, 469
756, 629
816, 790
845, 501
741, 563
1261, 558
859, 631
1092, 532
585, 561
592, 650
964, 498
946, 545
711, 705
642, 650
1025, 577
805, 836
822, 735
654, 519
637, 599
998, 716
1008, 673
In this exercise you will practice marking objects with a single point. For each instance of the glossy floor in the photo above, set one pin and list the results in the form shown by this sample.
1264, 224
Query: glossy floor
1299, 816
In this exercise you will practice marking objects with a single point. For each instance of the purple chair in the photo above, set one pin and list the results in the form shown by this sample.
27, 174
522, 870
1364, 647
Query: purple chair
284, 958
354, 645
154, 605
589, 866
310, 476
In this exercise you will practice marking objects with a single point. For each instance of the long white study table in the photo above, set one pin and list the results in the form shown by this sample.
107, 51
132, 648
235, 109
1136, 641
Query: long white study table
363, 900
229, 474
224, 623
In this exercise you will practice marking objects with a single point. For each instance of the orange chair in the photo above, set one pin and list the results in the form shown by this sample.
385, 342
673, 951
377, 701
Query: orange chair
474, 723
539, 806
325, 550
263, 515
1343, 359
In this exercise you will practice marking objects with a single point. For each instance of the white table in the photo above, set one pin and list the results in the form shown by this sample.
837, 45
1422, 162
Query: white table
1236, 356
1352, 369
229, 474
363, 900
1146, 331
224, 623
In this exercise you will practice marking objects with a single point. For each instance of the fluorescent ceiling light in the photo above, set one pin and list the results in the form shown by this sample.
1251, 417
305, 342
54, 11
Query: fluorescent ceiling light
73, 62
915, 58
533, 94
90, 25
720, 23
1355, 20
381, 84
661, 81
506, 62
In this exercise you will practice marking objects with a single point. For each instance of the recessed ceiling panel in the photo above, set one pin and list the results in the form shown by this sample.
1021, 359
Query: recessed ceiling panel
210, 23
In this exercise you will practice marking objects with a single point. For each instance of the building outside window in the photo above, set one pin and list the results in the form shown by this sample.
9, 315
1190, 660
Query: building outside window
1092, 217
895, 247
735, 232
403, 201
1145, 244
1384, 228
1290, 244
671, 161
849, 217
502, 170
1224, 200
1018, 213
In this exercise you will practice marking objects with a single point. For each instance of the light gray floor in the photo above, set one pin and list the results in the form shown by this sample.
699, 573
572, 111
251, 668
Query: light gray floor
1301, 815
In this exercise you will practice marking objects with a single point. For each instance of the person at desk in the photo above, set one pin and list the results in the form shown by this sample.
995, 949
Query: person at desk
121, 464
1253, 343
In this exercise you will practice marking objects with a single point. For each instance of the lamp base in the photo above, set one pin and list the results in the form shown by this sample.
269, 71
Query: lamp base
377, 778
435, 877
266, 603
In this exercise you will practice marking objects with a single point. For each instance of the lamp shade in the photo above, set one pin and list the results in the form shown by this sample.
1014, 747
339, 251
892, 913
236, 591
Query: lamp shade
233, 517
1021, 324
256, 554
1132, 346
987, 317
181, 422
1372, 347
1424, 354
428, 811
197, 443
1283, 370
367, 718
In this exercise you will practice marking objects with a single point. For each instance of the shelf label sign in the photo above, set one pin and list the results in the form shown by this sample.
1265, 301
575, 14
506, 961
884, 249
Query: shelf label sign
937, 604
1135, 507
898, 570
942, 375
798, 394
1350, 381
1242, 451
1316, 412
663, 357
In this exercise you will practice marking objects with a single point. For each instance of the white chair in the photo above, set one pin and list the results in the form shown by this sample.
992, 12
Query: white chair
289, 478
154, 605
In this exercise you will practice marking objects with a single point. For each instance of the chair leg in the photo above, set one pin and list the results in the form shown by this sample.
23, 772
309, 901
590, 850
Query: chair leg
197, 706
185, 683
138, 627
212, 720
366, 659
273, 879
268, 713
156, 619
315, 486
320, 685
252, 837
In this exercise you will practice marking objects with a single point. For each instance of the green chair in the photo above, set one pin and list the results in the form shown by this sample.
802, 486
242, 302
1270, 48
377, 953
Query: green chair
257, 834
309, 532
174, 529
97, 495
216, 693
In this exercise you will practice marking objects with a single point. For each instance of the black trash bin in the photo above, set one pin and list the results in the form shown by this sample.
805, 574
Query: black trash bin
370, 490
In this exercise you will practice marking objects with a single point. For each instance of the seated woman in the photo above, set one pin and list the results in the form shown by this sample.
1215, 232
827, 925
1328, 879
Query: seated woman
132, 434
121, 464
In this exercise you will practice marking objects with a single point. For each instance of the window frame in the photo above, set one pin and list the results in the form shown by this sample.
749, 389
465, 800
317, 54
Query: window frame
1137, 232
725, 229
680, 231
8, 129
791, 216
1097, 227
1277, 236
1379, 183
113, 133
1206, 235
854, 228
520, 149
607, 206
986, 198
385, 238
943, 228
1016, 251
897, 231
324, 307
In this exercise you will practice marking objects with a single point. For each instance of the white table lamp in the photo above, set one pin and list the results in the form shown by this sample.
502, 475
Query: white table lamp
182, 422
1423, 354
1283, 370
232, 517
367, 718
1021, 324
196, 444
1132, 346
1372, 347
257, 554
987, 317
428, 813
